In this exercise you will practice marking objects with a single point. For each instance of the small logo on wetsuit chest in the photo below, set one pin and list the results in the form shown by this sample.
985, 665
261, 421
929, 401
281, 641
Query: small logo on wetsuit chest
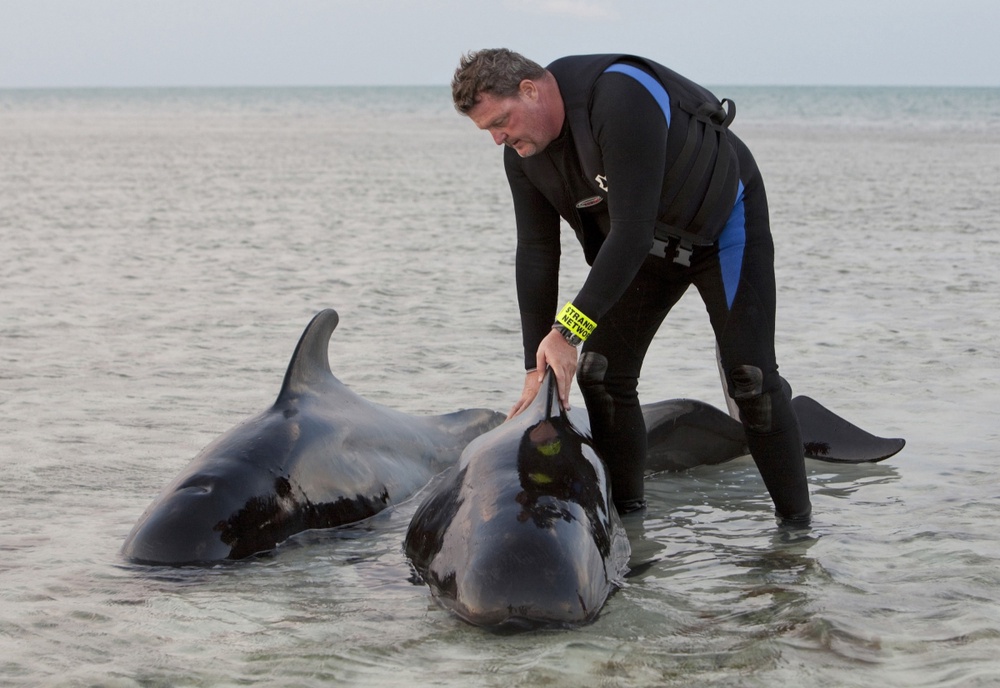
589, 202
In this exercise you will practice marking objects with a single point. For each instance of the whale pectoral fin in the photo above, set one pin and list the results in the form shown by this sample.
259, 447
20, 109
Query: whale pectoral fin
684, 433
828, 437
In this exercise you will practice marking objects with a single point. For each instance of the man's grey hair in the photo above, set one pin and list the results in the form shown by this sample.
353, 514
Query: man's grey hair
497, 71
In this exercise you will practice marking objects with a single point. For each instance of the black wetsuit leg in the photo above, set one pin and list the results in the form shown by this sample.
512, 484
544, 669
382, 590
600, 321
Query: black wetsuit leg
608, 375
735, 278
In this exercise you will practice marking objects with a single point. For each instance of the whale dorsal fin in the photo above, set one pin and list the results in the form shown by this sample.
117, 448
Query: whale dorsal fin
310, 364
546, 404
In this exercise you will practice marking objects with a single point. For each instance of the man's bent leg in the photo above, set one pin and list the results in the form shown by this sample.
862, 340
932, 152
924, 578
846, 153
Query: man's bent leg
774, 441
608, 375
619, 431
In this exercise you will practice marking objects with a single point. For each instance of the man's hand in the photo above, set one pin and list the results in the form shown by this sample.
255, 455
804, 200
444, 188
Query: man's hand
556, 353
532, 381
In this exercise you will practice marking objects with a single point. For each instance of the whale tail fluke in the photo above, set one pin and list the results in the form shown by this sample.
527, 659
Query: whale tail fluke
684, 433
828, 437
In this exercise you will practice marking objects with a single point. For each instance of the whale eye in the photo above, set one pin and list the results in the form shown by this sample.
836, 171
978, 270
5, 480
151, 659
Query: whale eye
198, 484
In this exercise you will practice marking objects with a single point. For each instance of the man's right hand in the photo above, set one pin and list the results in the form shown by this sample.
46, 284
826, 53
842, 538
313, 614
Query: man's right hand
532, 382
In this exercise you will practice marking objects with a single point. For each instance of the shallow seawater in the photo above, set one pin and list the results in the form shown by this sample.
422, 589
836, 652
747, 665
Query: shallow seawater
163, 250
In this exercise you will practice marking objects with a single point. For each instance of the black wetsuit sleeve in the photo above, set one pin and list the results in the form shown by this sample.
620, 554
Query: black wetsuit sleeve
537, 257
631, 131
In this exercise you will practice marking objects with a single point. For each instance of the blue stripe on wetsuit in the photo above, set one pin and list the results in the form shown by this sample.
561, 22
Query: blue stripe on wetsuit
654, 87
734, 235
731, 244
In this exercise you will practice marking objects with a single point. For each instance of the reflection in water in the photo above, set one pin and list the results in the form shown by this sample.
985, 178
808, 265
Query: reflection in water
714, 512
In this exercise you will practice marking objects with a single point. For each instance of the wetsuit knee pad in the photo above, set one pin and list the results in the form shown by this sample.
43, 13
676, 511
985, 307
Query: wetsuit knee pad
591, 369
618, 429
747, 387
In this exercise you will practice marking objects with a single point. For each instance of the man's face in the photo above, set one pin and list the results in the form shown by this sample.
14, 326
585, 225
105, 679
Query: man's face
519, 121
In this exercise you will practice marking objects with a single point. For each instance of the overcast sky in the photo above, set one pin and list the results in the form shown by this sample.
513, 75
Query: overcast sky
57, 43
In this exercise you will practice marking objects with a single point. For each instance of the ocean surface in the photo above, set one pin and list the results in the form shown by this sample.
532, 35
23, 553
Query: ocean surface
162, 250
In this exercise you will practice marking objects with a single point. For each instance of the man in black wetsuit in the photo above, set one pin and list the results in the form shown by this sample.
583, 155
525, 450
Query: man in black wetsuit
640, 162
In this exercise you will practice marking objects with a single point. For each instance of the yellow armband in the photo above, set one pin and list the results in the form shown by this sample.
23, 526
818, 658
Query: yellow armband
574, 323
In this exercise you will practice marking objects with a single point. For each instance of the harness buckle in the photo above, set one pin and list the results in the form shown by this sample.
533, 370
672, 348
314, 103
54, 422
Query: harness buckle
682, 249
683, 255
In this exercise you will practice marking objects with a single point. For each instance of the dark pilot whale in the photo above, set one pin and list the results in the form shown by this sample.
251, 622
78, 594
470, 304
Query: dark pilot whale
522, 531
321, 456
